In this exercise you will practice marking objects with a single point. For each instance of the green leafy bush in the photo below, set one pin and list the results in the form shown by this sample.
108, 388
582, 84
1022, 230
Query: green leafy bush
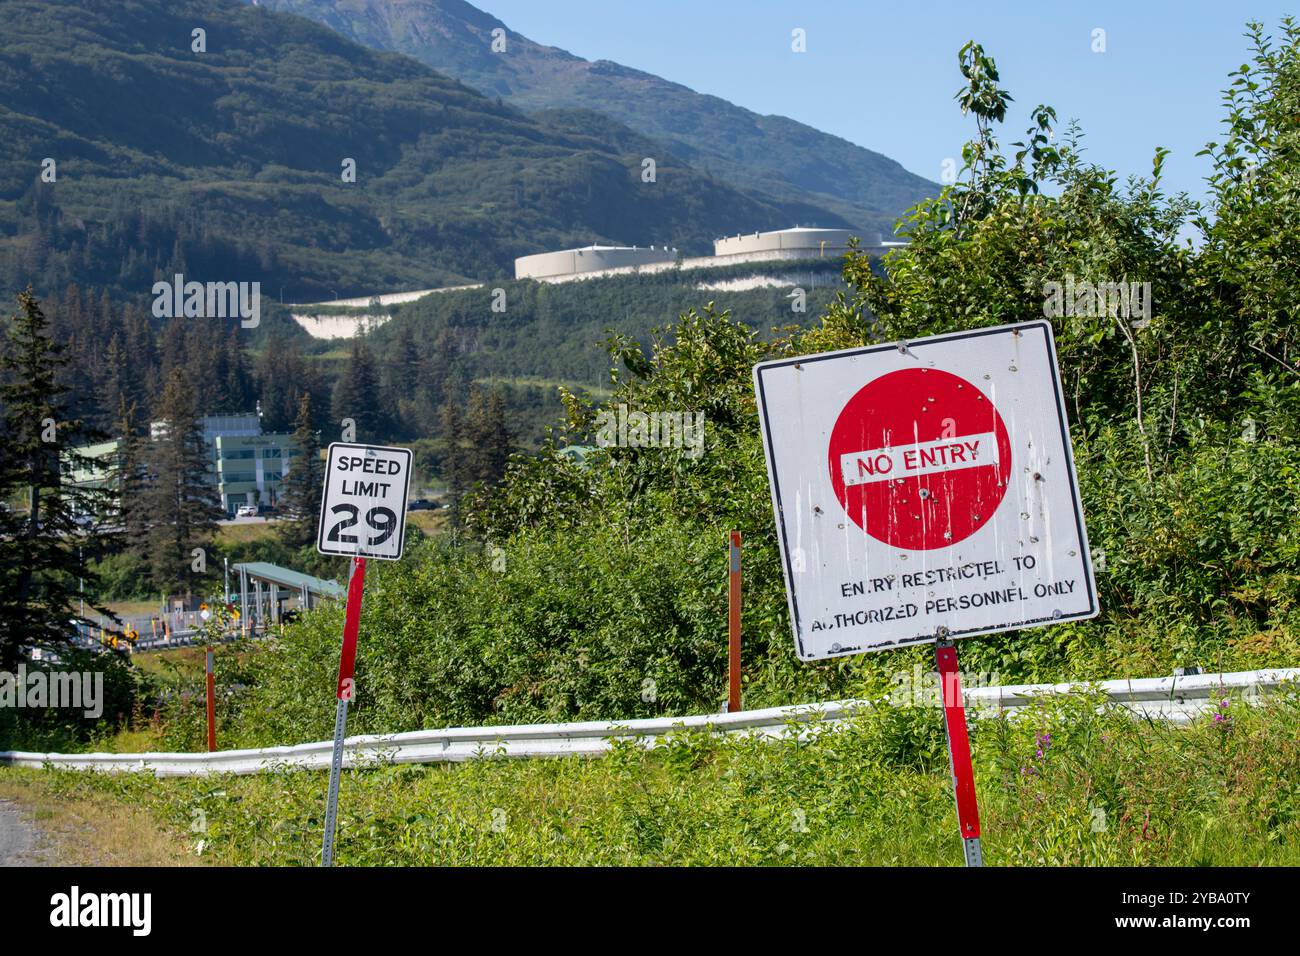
120, 691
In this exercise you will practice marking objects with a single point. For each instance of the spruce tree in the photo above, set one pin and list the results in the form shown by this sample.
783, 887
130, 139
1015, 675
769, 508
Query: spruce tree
277, 381
112, 390
238, 384
205, 366
499, 440
300, 499
457, 456
141, 380
127, 511
359, 396
180, 502
440, 367
488, 436
402, 381
404, 367
39, 560
171, 352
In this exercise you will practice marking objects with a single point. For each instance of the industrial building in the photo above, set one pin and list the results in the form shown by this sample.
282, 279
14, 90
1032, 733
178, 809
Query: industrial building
251, 468
248, 467
597, 261
801, 242
94, 468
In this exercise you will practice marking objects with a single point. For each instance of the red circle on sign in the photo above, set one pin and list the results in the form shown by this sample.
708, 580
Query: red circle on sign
920, 459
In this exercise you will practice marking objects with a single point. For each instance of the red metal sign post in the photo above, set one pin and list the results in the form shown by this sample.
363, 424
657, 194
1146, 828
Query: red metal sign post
733, 626
351, 624
212, 703
345, 691
963, 774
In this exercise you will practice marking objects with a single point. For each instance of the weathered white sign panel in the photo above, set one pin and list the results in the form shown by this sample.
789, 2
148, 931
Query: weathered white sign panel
363, 505
922, 486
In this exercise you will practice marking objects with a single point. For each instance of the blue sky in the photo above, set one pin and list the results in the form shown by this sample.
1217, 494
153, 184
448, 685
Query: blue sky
883, 74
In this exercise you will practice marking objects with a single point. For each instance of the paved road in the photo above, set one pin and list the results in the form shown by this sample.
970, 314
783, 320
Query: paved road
19, 839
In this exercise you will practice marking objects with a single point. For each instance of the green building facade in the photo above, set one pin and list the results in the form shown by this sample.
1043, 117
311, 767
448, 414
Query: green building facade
246, 468
250, 469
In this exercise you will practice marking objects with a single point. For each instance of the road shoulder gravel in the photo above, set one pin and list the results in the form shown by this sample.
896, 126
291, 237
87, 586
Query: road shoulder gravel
21, 841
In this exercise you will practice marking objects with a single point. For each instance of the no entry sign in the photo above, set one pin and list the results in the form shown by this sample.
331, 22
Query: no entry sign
363, 508
923, 489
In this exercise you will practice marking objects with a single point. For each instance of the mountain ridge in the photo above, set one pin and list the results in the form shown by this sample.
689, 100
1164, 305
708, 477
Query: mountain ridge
227, 162
772, 155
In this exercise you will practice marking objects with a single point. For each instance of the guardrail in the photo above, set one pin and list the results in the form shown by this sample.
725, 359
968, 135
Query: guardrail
1176, 699
193, 637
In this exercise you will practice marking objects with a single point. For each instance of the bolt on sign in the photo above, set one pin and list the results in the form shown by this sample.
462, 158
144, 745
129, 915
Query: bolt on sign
924, 488
363, 508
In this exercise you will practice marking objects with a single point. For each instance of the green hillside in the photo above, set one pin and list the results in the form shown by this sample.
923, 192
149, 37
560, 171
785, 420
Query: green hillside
771, 155
227, 163
552, 335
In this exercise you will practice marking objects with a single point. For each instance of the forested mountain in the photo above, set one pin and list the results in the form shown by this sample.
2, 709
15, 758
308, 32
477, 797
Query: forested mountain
772, 155
432, 352
205, 137
135, 146
552, 335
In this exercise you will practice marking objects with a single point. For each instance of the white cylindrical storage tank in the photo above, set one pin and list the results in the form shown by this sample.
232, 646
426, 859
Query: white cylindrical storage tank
589, 259
801, 242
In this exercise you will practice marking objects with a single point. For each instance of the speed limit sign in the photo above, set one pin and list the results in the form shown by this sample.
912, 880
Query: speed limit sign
362, 515
363, 508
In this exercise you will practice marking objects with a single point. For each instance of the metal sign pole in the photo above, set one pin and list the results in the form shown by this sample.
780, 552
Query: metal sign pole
344, 692
336, 771
959, 761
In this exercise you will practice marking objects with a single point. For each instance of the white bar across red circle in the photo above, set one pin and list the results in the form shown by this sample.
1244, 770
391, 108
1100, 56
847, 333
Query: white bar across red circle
919, 458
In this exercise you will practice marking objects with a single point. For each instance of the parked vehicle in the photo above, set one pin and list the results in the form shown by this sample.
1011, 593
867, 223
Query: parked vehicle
246, 511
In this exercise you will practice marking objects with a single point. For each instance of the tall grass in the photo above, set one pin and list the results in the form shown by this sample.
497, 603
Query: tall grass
1075, 781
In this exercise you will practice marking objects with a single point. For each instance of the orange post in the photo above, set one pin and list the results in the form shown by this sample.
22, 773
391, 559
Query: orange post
733, 627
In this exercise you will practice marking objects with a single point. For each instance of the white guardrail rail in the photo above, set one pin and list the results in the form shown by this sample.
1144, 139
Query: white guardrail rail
1176, 699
